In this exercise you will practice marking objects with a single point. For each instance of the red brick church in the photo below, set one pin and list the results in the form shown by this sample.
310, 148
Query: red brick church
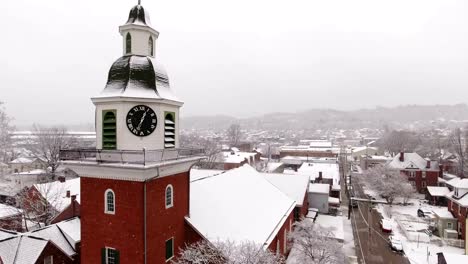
136, 201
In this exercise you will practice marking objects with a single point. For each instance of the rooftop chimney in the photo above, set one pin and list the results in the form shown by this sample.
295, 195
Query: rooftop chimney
73, 199
402, 156
320, 176
428, 164
68, 194
61, 179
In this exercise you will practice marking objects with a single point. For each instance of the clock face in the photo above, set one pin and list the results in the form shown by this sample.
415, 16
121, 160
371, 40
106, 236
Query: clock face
141, 120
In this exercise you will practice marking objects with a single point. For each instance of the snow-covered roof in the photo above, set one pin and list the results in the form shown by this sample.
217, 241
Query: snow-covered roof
196, 174
8, 211
462, 201
295, 186
364, 148
329, 171
238, 205
319, 188
437, 191
455, 258
4, 234
237, 157
21, 249
56, 192
272, 166
21, 160
411, 160
71, 229
32, 172
442, 212
56, 235
334, 223
458, 183
333, 200
134, 76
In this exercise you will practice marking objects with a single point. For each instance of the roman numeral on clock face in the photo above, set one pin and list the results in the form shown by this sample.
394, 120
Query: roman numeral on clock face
141, 120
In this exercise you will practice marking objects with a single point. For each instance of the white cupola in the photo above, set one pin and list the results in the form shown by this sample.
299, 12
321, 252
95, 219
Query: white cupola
139, 38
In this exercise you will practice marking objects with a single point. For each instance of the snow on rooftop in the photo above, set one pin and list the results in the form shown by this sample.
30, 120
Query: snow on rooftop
462, 201
459, 183
238, 205
21, 160
334, 223
8, 211
72, 230
455, 258
21, 249
196, 174
437, 191
54, 234
272, 166
4, 234
333, 200
32, 172
442, 212
295, 186
328, 170
237, 157
319, 188
411, 160
56, 192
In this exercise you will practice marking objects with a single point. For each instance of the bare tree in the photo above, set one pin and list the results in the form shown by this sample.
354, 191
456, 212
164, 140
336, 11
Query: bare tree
227, 252
314, 244
234, 134
5, 139
458, 146
406, 192
395, 141
49, 142
388, 183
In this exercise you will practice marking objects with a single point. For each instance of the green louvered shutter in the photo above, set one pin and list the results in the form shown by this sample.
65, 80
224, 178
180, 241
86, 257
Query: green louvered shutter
109, 130
103, 255
117, 257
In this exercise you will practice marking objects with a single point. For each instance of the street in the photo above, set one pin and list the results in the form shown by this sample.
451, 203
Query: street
373, 247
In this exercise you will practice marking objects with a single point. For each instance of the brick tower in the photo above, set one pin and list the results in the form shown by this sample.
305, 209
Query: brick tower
135, 184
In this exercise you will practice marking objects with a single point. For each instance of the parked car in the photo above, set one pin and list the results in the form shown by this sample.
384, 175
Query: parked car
424, 212
395, 243
386, 225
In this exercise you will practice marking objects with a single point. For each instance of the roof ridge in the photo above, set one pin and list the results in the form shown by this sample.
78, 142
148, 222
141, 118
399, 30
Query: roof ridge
17, 249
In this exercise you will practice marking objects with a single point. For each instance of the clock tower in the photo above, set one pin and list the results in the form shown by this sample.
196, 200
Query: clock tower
135, 185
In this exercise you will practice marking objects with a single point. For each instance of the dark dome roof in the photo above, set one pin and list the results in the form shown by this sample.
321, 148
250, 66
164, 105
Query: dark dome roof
139, 72
138, 16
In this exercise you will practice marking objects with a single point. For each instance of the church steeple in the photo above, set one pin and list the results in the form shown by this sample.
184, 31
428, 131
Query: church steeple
139, 37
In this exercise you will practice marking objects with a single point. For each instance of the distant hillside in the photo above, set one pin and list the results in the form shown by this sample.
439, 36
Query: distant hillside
330, 118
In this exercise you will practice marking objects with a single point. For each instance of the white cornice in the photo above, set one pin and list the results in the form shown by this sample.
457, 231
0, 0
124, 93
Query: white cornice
117, 98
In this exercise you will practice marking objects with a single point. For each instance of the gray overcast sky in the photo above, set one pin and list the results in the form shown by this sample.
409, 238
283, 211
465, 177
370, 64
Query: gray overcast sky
241, 57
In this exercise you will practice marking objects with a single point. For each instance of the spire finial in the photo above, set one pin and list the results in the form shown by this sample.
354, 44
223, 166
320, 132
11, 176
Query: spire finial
139, 2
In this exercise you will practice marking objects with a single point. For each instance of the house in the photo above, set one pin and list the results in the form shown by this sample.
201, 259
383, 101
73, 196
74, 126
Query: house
296, 187
11, 218
23, 164
436, 195
262, 213
319, 194
59, 243
420, 172
357, 152
323, 172
446, 224
4, 169
60, 199
457, 203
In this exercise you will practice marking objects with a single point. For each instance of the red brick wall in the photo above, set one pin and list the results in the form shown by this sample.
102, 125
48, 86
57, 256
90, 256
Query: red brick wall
431, 179
305, 205
165, 223
455, 209
124, 231
67, 213
58, 255
12, 223
280, 237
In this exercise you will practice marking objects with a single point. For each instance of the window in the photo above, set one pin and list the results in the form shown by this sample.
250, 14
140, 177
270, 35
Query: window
150, 46
169, 196
424, 184
424, 174
411, 174
169, 248
109, 130
109, 197
169, 130
296, 214
110, 256
449, 225
128, 44
49, 260
285, 241
277, 247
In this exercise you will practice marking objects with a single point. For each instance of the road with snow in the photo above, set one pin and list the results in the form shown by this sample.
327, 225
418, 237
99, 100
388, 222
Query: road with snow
373, 246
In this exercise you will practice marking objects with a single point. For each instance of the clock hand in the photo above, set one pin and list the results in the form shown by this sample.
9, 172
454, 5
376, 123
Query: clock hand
141, 121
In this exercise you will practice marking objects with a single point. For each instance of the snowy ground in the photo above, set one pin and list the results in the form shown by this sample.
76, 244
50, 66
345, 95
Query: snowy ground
418, 246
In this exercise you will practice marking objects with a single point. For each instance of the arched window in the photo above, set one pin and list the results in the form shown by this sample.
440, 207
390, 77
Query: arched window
169, 196
150, 46
109, 202
128, 44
